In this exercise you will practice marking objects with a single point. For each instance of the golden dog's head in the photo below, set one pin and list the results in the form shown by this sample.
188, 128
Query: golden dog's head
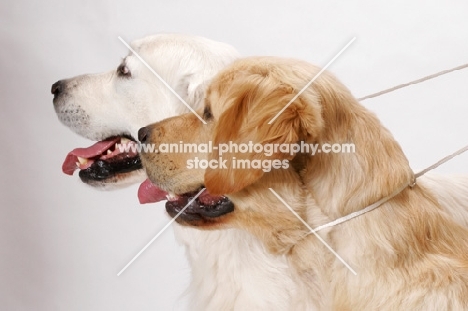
240, 103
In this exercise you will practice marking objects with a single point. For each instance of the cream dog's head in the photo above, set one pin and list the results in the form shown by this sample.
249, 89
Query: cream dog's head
110, 107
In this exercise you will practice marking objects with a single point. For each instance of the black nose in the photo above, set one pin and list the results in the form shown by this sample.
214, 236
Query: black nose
57, 88
143, 134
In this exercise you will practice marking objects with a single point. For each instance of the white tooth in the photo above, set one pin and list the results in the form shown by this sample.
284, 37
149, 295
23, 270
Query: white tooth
124, 140
171, 196
108, 151
82, 160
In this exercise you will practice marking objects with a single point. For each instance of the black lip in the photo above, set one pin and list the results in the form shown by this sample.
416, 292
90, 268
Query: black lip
104, 169
197, 211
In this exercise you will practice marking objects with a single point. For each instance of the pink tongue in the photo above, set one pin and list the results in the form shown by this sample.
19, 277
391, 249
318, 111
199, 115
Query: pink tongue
149, 193
69, 165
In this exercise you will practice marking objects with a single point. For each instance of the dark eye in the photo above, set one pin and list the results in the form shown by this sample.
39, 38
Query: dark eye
123, 71
207, 113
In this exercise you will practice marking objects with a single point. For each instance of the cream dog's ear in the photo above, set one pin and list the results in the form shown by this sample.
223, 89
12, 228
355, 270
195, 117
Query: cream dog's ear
253, 102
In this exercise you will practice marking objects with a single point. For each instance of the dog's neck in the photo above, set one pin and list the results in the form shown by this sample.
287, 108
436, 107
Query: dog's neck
339, 184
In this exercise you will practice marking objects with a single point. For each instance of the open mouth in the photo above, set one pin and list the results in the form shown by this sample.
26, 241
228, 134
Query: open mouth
103, 160
204, 208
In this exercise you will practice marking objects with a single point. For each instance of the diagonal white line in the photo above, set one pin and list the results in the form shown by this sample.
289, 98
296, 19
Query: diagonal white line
313, 79
160, 232
161, 79
315, 233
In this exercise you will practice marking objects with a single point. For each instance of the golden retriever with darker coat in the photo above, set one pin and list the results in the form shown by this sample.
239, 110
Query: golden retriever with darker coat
408, 253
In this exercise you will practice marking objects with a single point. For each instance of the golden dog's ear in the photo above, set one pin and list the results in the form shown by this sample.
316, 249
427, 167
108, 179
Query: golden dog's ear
252, 103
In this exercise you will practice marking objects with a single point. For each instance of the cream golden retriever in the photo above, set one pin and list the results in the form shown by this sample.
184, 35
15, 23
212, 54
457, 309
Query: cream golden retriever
409, 254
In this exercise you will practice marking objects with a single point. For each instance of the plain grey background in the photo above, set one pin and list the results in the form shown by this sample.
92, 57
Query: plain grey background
62, 243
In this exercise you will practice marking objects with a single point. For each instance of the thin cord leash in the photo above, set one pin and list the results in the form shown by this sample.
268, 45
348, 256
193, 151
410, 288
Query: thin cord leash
435, 75
361, 212
395, 193
416, 176
444, 160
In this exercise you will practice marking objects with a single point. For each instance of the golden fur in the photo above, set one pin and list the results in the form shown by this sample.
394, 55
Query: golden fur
408, 254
